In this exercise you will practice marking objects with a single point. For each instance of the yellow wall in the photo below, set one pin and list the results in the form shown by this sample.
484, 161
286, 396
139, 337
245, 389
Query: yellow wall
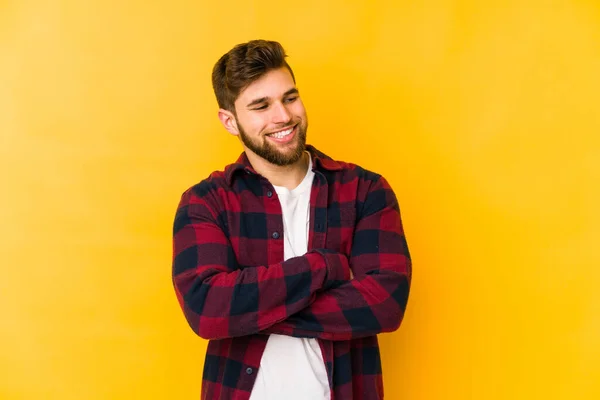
484, 117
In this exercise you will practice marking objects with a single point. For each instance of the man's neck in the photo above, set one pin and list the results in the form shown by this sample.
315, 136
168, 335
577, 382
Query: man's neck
288, 176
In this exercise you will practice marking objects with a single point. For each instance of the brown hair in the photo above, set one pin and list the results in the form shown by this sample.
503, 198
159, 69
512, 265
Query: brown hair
242, 65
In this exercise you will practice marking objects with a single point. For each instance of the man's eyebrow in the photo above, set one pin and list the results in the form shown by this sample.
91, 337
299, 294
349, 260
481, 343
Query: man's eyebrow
264, 99
291, 91
257, 101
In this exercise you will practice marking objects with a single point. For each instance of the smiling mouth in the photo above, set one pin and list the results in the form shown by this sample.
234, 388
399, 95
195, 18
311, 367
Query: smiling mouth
283, 133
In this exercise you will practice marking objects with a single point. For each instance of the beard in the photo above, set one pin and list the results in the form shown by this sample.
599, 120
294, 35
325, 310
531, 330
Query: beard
266, 150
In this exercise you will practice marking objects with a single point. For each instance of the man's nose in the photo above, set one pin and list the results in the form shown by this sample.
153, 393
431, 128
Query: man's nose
281, 114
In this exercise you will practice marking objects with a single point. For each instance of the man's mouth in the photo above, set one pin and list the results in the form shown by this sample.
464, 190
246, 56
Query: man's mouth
283, 133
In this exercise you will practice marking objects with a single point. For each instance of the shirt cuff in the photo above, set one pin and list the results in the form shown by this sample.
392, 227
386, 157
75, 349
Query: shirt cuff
338, 268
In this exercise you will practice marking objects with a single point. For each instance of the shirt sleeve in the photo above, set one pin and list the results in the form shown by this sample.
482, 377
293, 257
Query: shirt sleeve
218, 298
375, 300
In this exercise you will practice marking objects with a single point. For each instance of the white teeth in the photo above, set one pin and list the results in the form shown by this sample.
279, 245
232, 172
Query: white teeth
282, 134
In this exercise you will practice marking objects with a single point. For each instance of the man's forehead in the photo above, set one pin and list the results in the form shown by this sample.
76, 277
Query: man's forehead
274, 83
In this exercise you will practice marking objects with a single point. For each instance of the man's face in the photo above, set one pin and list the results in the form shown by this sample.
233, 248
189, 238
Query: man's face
271, 119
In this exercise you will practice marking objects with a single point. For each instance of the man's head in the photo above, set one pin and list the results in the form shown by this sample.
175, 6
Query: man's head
259, 102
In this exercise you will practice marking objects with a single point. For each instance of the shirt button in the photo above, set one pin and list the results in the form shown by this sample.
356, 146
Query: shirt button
275, 235
269, 194
249, 370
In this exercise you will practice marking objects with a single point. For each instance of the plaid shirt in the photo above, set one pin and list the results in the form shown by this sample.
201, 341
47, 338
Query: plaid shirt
235, 289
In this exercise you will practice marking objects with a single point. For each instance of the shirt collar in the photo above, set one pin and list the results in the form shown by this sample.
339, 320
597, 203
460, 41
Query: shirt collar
320, 161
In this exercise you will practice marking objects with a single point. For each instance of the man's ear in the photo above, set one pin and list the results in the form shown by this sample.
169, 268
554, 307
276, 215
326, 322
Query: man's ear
229, 122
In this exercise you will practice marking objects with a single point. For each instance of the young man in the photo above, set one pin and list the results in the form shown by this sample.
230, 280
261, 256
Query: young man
289, 262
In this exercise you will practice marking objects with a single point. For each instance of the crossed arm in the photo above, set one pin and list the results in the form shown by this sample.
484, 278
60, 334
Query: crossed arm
308, 296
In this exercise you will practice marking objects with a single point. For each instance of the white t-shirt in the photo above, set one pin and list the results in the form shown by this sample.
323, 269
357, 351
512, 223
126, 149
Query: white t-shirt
293, 368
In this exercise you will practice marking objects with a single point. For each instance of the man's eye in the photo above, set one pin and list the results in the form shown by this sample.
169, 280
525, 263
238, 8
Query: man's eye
291, 99
263, 107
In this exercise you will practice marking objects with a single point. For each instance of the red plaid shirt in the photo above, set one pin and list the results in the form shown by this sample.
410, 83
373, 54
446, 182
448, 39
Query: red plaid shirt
235, 289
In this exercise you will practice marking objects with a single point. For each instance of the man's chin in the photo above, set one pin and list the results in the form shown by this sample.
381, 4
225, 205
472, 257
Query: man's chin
285, 159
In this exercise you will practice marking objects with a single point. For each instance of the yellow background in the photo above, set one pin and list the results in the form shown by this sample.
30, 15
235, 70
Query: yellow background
484, 116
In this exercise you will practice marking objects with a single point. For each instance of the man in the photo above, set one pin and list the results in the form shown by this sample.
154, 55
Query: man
289, 262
